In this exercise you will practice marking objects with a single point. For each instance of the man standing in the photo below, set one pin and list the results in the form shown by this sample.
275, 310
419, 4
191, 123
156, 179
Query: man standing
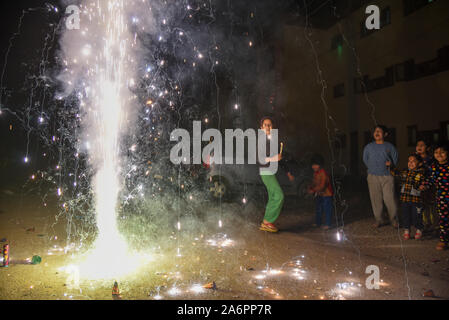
380, 181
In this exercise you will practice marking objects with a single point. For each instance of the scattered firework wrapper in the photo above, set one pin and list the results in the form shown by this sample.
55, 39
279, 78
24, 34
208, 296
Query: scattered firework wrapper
36, 260
429, 294
5, 253
210, 286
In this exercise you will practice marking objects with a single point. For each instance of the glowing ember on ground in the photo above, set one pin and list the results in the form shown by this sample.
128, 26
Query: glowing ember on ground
174, 291
197, 289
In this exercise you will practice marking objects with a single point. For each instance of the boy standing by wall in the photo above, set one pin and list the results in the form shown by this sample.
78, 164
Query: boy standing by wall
380, 181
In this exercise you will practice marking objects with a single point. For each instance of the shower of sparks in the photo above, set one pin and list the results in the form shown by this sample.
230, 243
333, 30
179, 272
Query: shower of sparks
108, 67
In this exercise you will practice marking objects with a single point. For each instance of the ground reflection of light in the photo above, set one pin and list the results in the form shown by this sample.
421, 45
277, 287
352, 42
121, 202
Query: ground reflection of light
271, 291
275, 272
220, 240
298, 276
260, 277
383, 284
174, 291
346, 289
157, 297
110, 259
197, 288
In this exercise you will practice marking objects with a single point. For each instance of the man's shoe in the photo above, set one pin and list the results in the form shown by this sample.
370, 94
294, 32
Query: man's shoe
378, 225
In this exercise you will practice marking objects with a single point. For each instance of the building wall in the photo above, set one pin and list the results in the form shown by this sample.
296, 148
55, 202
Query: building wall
423, 102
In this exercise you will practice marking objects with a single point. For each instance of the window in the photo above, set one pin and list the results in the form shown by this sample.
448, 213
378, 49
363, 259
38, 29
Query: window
383, 82
412, 135
411, 6
404, 71
431, 135
436, 136
385, 17
339, 90
426, 68
362, 85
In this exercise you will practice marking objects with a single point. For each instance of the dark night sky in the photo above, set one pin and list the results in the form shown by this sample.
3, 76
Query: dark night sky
23, 49
24, 57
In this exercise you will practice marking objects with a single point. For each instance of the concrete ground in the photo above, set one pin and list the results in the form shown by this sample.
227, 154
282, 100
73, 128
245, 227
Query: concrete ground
298, 263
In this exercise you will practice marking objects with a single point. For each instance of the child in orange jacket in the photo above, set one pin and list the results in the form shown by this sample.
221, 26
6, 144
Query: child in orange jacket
322, 189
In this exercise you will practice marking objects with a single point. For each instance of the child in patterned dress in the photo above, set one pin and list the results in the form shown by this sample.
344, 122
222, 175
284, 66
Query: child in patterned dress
440, 179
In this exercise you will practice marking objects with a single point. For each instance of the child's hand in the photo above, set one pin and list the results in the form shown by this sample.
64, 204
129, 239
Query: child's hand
388, 164
422, 188
274, 159
290, 177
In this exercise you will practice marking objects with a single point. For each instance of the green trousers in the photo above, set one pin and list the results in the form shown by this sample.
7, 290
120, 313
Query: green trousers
275, 198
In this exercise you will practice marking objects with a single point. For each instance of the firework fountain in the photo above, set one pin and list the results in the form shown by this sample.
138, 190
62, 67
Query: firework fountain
102, 71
